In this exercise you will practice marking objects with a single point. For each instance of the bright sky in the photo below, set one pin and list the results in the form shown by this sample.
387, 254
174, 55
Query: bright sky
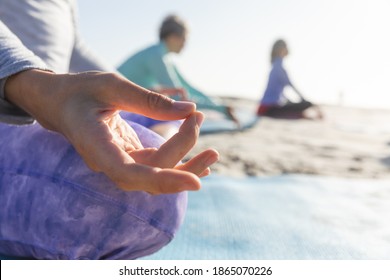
339, 49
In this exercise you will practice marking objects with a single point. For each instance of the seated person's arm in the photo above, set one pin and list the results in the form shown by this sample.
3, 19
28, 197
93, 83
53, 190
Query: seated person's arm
164, 72
285, 79
180, 92
188, 86
84, 108
297, 92
14, 57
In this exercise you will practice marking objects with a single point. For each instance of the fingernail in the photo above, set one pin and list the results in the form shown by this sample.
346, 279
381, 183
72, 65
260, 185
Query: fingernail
191, 183
212, 158
199, 118
184, 106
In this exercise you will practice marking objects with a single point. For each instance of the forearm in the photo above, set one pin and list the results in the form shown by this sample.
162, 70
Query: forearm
301, 96
296, 91
14, 58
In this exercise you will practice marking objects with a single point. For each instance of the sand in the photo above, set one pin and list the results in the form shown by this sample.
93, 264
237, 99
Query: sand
348, 143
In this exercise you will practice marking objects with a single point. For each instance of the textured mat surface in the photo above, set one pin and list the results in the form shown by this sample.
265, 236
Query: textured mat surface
287, 217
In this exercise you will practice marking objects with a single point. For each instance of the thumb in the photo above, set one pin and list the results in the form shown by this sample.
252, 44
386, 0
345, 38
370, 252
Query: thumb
136, 99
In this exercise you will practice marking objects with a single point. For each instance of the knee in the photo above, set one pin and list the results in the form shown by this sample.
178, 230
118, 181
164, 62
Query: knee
72, 212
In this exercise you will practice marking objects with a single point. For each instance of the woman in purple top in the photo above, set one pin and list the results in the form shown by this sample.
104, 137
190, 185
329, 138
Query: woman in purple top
274, 103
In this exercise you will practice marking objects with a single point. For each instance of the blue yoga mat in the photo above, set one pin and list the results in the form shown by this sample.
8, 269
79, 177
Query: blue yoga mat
286, 217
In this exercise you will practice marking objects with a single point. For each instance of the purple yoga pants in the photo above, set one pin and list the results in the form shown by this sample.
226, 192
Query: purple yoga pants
52, 206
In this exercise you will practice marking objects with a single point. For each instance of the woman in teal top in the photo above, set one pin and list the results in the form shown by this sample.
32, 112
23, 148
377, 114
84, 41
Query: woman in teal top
152, 67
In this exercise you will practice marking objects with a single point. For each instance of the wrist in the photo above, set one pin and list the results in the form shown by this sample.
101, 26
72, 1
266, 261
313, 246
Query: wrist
28, 90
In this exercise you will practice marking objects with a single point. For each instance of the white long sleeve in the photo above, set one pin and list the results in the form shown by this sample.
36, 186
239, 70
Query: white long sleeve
14, 58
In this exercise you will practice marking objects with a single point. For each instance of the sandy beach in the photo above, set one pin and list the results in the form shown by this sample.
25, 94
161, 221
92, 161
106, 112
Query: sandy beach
348, 143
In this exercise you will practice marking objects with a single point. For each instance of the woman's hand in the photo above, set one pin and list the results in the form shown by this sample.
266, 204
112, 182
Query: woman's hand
84, 108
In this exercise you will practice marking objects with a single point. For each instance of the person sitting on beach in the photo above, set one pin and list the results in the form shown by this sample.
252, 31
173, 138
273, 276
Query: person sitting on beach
274, 103
152, 68
81, 182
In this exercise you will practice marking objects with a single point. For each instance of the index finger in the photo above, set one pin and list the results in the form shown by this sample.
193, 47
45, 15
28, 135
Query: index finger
109, 158
172, 151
